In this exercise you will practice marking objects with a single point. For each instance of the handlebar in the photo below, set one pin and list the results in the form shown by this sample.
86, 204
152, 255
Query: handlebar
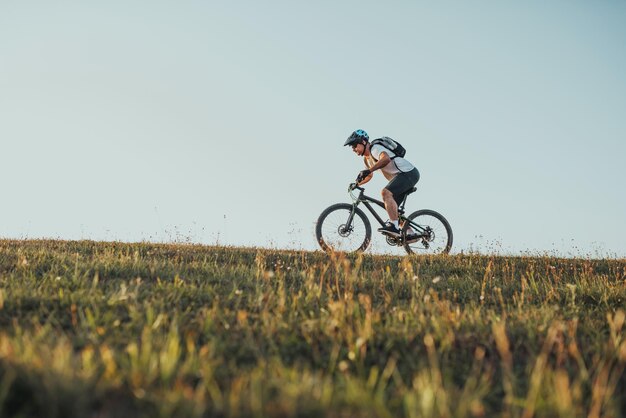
353, 186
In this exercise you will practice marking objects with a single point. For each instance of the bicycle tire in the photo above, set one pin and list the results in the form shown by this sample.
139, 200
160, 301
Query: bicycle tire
423, 246
324, 229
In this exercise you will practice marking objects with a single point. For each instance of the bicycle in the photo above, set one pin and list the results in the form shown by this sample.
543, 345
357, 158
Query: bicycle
345, 227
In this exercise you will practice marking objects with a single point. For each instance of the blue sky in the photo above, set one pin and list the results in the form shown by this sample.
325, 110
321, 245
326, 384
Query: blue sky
223, 122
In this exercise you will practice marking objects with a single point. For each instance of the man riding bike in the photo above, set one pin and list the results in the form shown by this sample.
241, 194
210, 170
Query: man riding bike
402, 175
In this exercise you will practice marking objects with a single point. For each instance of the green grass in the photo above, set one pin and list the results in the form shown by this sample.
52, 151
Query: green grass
93, 329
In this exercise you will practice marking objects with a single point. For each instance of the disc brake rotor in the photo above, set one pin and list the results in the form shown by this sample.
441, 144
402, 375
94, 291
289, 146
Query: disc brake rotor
343, 231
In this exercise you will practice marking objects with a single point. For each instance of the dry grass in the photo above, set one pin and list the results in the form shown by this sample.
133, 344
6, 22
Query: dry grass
111, 330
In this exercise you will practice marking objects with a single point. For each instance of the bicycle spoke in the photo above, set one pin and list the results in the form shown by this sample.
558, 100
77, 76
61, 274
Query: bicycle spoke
341, 236
434, 234
334, 233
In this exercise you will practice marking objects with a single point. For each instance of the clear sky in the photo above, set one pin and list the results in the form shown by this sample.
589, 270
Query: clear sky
223, 121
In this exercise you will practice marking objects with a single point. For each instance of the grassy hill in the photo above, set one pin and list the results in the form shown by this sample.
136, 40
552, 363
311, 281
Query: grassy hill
145, 330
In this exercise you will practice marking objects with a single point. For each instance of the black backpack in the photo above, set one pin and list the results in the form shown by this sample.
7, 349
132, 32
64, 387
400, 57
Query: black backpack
390, 144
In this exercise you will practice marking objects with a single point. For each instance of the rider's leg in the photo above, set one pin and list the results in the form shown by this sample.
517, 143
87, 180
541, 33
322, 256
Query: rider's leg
394, 192
390, 205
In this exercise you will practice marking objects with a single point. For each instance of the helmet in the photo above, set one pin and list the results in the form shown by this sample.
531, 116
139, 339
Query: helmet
356, 137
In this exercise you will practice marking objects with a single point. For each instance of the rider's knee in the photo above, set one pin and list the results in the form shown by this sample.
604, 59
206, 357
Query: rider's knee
386, 193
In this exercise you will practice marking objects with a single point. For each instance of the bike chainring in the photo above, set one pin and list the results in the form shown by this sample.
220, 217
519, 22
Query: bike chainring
393, 241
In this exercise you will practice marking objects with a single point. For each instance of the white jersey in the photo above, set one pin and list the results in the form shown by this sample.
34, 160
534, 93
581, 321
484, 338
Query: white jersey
396, 166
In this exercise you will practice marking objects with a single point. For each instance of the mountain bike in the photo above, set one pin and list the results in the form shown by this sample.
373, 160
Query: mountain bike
345, 227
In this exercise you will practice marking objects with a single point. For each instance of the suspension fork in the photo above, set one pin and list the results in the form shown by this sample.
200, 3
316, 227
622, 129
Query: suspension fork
351, 216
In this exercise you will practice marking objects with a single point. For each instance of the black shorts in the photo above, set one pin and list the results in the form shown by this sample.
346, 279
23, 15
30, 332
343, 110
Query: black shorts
402, 183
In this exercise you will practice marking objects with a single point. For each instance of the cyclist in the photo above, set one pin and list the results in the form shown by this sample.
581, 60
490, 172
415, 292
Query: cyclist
402, 176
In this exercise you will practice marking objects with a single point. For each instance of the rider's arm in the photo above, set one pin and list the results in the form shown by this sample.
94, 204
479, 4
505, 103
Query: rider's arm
369, 177
383, 160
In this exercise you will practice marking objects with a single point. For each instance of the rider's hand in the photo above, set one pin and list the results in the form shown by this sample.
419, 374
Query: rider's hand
362, 175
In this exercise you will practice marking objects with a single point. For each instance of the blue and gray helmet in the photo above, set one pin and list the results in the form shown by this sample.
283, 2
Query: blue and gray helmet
356, 137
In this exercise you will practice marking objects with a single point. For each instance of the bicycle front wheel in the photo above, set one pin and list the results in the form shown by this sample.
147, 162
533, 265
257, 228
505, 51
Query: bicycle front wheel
431, 233
343, 227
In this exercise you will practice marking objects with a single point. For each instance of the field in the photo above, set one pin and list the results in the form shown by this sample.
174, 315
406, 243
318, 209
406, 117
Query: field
90, 329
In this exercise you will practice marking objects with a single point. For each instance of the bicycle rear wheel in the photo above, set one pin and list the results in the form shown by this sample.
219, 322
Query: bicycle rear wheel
334, 233
434, 234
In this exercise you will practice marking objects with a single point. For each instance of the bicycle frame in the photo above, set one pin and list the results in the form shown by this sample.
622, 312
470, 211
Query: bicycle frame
363, 198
